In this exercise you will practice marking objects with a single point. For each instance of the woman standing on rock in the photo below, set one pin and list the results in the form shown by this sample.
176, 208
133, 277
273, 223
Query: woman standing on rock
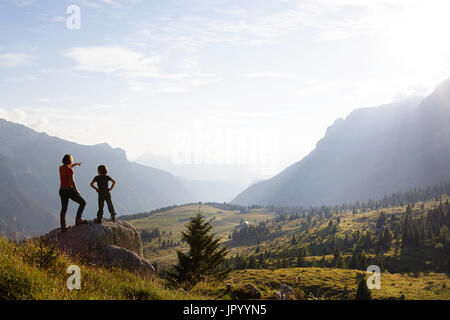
68, 190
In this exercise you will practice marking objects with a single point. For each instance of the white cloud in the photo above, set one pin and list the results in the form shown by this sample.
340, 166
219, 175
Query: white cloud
49, 100
269, 75
18, 79
183, 85
116, 2
58, 19
23, 3
113, 3
417, 89
328, 20
115, 59
14, 59
142, 72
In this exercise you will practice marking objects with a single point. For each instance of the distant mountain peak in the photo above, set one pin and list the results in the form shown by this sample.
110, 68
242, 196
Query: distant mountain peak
103, 145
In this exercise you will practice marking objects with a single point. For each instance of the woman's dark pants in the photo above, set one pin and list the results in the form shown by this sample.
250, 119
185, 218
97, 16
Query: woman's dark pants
66, 194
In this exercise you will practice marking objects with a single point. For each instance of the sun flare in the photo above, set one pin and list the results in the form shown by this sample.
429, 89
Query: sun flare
419, 36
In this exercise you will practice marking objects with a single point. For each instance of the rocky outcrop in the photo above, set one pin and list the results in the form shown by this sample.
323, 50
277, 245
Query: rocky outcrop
285, 292
109, 244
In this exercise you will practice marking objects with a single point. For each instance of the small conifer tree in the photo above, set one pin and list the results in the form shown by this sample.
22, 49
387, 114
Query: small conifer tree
363, 293
205, 257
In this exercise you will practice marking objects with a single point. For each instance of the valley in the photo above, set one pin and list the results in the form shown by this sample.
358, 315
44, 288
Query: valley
171, 223
330, 247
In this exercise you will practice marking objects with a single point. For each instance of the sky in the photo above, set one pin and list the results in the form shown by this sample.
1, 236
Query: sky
250, 83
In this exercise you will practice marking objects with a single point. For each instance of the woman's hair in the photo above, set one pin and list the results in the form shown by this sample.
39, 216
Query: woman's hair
102, 169
67, 159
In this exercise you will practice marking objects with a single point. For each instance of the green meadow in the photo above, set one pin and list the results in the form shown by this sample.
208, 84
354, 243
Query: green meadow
172, 222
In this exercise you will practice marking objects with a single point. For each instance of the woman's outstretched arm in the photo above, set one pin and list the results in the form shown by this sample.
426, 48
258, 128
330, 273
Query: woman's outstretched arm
75, 164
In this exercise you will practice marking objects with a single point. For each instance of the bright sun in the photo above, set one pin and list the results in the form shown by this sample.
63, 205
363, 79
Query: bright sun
420, 36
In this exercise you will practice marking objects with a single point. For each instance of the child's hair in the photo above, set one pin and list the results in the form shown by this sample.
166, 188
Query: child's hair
67, 159
102, 169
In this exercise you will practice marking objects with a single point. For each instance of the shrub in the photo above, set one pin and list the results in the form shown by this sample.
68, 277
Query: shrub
246, 292
133, 293
40, 254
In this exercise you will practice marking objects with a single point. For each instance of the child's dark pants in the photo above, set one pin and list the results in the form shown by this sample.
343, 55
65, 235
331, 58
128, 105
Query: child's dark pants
102, 197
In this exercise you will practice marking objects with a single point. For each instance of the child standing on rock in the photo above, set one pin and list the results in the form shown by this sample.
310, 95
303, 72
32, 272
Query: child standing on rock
104, 194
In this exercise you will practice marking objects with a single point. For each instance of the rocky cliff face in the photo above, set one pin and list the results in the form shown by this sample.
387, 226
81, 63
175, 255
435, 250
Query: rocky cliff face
110, 244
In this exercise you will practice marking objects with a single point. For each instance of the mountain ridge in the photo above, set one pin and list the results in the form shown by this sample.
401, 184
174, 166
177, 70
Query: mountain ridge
374, 151
29, 164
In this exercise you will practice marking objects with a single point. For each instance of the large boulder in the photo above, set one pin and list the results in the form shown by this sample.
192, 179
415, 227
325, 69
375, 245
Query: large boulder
109, 244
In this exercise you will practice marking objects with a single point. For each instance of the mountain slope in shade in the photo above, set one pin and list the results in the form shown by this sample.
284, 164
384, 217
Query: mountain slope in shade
13, 201
373, 152
29, 180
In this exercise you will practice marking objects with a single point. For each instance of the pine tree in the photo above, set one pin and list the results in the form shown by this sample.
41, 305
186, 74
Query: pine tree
240, 262
354, 262
251, 263
323, 262
340, 262
368, 242
293, 241
261, 261
306, 252
387, 238
363, 293
444, 235
336, 255
347, 242
363, 263
301, 261
285, 263
381, 220
205, 254
278, 264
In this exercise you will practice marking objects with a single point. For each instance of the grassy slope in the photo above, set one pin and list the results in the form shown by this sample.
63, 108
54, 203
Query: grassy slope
326, 283
22, 278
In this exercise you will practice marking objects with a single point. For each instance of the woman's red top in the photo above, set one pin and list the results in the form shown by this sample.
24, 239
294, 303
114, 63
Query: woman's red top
65, 174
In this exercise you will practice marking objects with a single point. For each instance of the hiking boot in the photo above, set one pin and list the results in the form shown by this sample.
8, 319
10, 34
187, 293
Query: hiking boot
98, 220
79, 222
64, 228
113, 217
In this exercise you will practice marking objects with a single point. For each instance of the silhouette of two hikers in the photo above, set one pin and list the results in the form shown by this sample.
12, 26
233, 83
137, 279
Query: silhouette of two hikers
69, 190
